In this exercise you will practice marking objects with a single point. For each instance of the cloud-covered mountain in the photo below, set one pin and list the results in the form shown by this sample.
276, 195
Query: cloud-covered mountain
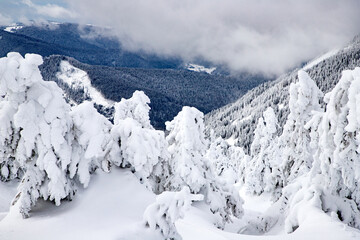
271, 37
86, 43
237, 121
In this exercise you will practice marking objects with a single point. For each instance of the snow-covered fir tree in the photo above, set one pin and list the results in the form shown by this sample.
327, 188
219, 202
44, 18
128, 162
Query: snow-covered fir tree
338, 161
43, 146
135, 143
51, 148
262, 173
9, 136
189, 167
13, 82
187, 146
91, 138
226, 159
295, 139
332, 183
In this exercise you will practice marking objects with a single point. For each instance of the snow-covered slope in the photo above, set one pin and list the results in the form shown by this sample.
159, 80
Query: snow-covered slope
112, 208
77, 79
113, 203
238, 120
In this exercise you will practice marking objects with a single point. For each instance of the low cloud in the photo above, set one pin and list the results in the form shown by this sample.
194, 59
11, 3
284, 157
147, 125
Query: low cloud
50, 10
269, 37
5, 20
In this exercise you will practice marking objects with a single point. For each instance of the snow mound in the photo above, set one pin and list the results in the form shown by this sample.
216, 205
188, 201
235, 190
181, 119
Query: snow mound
169, 207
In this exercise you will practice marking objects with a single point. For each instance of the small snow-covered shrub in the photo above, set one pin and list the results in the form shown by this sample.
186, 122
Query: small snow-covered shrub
136, 107
168, 208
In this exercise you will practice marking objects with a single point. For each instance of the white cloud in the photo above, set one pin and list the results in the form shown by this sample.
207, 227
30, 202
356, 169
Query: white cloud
50, 10
5, 20
253, 35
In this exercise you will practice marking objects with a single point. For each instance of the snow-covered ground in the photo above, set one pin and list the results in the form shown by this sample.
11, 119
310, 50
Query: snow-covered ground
113, 205
198, 68
13, 28
76, 78
7, 193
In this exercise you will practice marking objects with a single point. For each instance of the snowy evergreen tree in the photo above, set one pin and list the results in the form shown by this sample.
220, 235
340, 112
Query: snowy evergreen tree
189, 167
332, 184
9, 136
136, 107
187, 146
338, 161
135, 143
226, 159
262, 171
41, 141
41, 127
91, 139
13, 83
295, 139
168, 208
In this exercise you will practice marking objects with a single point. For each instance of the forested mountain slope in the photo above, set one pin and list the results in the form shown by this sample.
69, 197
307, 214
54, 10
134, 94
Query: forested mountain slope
168, 89
237, 121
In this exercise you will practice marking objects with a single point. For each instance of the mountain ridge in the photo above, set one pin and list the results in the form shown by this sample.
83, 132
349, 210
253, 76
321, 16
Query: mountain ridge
237, 121
168, 89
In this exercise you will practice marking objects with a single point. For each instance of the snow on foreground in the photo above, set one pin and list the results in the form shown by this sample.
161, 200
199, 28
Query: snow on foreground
7, 193
113, 205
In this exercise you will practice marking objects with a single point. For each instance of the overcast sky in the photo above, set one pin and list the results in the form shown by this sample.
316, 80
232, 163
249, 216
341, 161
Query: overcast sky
264, 36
